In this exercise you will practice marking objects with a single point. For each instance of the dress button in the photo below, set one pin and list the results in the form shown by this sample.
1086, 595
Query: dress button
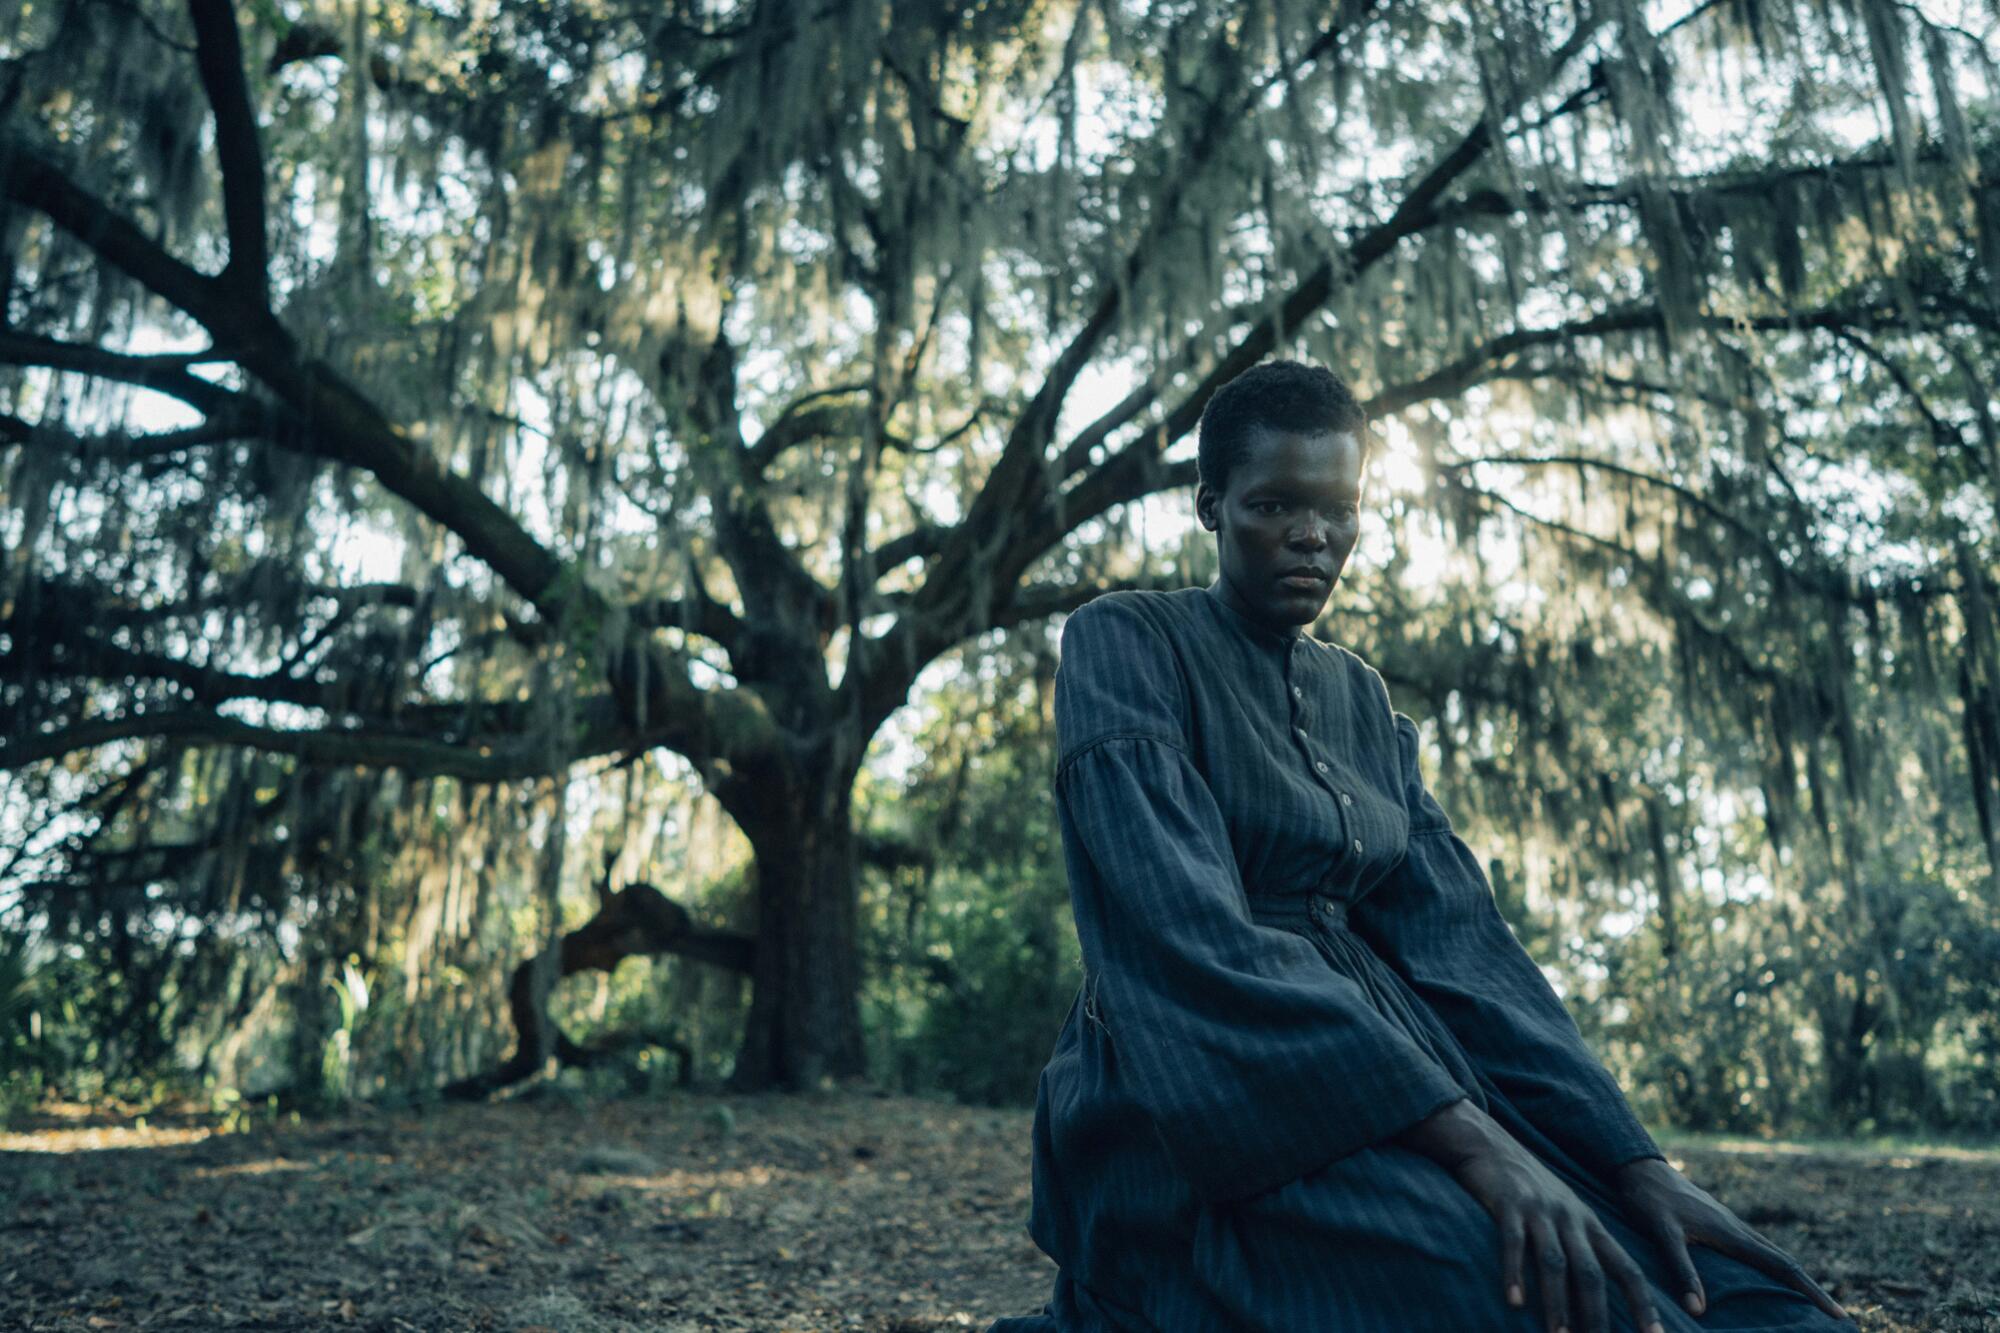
1298, 693
1301, 732
1320, 764
1345, 799
1357, 845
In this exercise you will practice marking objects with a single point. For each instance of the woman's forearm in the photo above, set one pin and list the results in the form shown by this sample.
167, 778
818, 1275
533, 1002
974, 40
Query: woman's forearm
1453, 1134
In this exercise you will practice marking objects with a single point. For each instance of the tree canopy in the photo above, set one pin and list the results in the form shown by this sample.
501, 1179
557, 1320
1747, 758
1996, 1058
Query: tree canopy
437, 438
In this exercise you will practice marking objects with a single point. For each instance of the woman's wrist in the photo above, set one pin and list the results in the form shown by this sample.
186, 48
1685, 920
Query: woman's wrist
1453, 1134
1640, 1171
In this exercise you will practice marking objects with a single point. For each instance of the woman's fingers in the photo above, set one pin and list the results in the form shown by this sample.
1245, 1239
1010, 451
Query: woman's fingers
1551, 1273
1761, 1254
1673, 1240
1631, 1279
1670, 1233
1513, 1249
1593, 1313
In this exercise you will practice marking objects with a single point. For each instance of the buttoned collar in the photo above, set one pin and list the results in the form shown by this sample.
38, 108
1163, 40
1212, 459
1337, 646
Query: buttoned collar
1289, 637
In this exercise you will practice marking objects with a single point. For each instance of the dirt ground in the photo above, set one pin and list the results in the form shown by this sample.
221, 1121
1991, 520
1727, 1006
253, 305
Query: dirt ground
842, 1211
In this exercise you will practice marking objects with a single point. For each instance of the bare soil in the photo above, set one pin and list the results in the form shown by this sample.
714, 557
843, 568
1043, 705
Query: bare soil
843, 1211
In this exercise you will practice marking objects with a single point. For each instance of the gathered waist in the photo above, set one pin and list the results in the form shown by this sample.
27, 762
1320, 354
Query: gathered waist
1298, 910
1387, 991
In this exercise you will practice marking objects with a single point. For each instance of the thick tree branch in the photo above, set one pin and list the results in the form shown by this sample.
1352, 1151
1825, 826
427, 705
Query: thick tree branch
53, 634
695, 611
920, 543
779, 593
264, 583
1039, 601
506, 758
848, 421
331, 419
56, 634
1080, 452
126, 449
1013, 520
73, 652
167, 374
31, 179
331, 746
219, 56
636, 922
339, 423
1135, 469
1371, 247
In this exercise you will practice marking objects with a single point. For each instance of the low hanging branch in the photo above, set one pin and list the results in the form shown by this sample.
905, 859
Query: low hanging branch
636, 922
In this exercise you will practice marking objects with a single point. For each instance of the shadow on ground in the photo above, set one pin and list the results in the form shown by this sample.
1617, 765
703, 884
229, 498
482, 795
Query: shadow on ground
699, 1212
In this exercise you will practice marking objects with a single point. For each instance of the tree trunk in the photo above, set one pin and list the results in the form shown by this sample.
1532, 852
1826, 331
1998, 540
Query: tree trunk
804, 1025
1666, 878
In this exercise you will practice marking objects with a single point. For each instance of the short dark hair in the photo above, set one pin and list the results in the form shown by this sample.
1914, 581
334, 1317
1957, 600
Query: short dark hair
1277, 395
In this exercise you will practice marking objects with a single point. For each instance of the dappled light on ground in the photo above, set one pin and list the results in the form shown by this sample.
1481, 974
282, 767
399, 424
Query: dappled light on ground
100, 1138
838, 1212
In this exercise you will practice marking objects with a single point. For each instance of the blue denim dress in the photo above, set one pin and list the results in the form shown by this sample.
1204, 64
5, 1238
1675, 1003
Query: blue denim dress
1289, 957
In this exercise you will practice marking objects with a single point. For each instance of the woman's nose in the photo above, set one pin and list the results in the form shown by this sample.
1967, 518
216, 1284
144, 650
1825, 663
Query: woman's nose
1313, 532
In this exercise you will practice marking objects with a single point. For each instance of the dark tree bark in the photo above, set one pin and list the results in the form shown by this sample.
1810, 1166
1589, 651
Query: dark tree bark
637, 921
804, 1024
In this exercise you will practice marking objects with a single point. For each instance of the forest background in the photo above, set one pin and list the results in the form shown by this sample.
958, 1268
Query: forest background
533, 536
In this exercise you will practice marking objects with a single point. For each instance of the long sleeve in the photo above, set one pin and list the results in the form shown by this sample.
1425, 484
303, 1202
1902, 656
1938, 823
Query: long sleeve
1435, 920
1255, 1061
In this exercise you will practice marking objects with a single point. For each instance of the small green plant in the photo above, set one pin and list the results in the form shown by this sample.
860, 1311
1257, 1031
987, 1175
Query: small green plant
337, 1060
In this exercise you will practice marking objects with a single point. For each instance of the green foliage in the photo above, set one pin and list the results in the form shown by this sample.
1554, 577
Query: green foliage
17, 1003
20, 1076
974, 956
1686, 554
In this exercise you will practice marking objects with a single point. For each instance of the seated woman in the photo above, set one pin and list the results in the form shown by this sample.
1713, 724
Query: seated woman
1311, 1081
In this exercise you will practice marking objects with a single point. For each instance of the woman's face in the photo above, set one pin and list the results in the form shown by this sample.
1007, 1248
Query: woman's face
1293, 504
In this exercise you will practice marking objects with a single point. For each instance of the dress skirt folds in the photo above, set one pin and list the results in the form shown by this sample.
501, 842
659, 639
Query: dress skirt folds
1289, 957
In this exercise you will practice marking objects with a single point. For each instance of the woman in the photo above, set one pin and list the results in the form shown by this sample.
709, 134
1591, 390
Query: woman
1311, 1081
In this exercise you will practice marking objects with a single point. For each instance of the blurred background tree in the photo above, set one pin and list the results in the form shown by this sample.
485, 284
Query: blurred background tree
500, 492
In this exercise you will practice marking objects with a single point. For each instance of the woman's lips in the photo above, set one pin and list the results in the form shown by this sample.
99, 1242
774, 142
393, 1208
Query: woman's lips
1303, 582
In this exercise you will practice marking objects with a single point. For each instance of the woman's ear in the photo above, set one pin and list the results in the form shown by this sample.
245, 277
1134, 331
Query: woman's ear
1205, 506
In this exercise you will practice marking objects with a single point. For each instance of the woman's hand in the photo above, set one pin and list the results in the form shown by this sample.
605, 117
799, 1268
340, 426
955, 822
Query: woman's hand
1535, 1210
1676, 1213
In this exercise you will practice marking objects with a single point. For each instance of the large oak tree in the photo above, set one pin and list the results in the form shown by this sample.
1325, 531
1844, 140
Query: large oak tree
703, 372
